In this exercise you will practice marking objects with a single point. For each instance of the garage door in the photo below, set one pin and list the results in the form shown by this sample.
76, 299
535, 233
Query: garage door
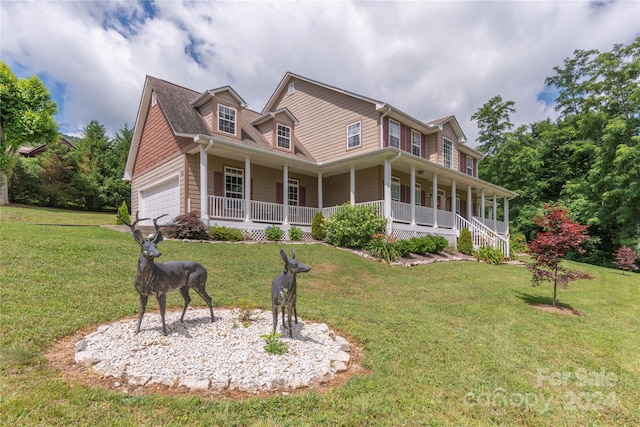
161, 199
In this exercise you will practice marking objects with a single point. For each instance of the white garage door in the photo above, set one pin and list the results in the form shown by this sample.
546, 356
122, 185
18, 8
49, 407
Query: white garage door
161, 199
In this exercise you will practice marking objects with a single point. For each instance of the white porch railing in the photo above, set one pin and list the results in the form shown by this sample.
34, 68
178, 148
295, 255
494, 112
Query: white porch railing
301, 214
400, 212
273, 213
479, 236
226, 207
267, 212
424, 215
500, 226
445, 219
496, 240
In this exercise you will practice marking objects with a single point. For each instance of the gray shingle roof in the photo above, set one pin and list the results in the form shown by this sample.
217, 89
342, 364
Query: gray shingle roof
184, 118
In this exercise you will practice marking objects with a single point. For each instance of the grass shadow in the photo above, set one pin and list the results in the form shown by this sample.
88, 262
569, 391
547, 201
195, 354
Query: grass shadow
537, 300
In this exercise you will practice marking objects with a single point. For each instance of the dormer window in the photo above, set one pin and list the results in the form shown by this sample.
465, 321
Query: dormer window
447, 153
226, 119
394, 134
291, 88
284, 137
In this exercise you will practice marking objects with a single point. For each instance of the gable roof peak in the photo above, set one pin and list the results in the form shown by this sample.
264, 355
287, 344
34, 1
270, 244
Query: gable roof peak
211, 93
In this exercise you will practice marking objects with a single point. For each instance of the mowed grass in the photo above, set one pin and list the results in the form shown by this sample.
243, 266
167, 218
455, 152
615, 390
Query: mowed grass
454, 343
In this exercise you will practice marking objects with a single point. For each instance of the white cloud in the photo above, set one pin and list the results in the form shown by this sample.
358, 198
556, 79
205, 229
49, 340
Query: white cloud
429, 59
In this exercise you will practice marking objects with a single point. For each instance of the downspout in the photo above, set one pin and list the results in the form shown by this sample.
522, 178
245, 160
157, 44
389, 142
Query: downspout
204, 190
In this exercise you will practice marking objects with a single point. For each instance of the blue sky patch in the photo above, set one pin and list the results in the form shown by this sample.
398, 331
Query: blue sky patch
548, 95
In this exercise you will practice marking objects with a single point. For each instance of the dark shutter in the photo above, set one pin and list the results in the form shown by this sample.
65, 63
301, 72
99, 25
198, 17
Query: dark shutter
302, 196
279, 189
423, 198
218, 184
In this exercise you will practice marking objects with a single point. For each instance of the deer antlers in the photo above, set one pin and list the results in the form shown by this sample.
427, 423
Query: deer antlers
137, 234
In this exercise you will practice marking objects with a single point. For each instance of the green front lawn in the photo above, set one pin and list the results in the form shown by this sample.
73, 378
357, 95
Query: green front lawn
454, 343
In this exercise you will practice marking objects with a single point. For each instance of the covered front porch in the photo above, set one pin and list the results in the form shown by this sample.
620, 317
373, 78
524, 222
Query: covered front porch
253, 198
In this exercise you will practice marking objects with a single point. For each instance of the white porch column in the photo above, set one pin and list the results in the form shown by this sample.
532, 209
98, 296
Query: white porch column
285, 194
482, 206
506, 216
413, 195
320, 206
387, 193
469, 203
495, 213
454, 203
434, 200
352, 186
247, 189
204, 189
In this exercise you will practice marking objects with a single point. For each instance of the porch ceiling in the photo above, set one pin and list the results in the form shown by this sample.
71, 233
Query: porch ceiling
400, 161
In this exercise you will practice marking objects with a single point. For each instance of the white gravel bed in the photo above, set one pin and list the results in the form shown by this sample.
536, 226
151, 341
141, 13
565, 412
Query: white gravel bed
226, 354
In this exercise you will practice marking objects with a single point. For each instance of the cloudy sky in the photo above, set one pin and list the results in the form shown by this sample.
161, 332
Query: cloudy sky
427, 58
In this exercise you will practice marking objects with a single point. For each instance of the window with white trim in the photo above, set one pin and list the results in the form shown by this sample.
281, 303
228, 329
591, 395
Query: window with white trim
394, 134
291, 88
395, 188
418, 194
233, 183
284, 137
416, 145
353, 135
293, 190
469, 165
226, 119
447, 153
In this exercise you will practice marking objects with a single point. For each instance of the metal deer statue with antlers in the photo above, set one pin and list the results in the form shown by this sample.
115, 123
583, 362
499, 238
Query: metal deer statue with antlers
161, 278
284, 291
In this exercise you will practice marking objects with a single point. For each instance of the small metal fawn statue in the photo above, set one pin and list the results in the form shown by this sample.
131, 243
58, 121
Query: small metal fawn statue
284, 291
161, 278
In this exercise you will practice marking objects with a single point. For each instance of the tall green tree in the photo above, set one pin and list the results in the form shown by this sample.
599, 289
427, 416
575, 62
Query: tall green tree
494, 124
26, 117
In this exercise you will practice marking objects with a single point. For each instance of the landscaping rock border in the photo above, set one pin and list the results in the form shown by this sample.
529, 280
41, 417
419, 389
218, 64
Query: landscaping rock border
226, 355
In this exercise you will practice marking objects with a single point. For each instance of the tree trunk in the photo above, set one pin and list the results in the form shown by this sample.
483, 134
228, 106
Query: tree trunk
4, 189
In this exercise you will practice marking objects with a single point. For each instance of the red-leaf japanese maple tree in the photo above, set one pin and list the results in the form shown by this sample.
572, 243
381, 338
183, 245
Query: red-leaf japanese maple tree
626, 259
560, 236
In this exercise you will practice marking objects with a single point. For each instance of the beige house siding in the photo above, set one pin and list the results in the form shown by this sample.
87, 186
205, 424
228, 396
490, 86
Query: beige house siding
369, 183
168, 169
206, 111
266, 129
324, 115
432, 147
335, 190
192, 167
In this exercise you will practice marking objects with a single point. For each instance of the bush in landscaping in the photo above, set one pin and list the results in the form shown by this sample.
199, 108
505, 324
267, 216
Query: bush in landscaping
403, 247
318, 230
465, 242
383, 247
490, 255
123, 211
226, 234
191, 227
274, 233
440, 243
353, 226
295, 234
427, 244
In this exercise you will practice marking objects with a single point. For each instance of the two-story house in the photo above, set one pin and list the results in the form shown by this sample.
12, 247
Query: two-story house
312, 148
